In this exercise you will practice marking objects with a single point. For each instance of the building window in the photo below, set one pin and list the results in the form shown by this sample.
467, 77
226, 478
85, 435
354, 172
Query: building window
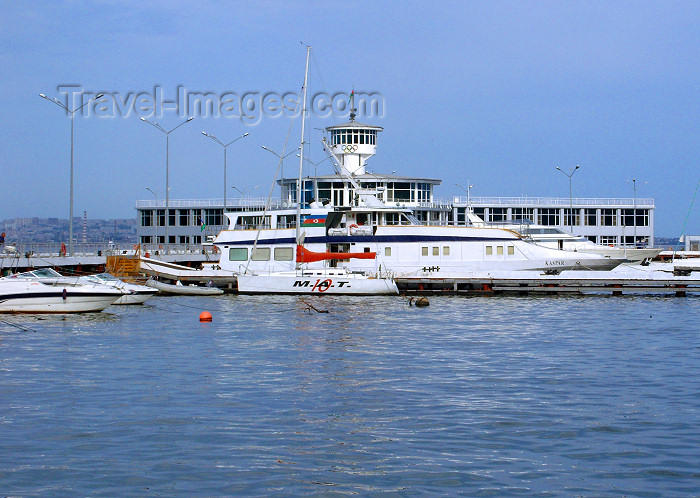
184, 217
212, 217
480, 212
171, 239
400, 192
197, 239
284, 253
423, 251
261, 254
592, 238
146, 239
589, 217
184, 239
238, 254
608, 240
161, 217
387, 251
147, 218
548, 216
608, 217
197, 217
642, 217
498, 214
489, 250
171, 217
571, 217
522, 214
630, 218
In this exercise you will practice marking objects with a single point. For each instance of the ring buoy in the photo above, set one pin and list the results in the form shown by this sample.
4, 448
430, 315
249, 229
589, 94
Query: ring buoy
353, 226
63, 249
215, 250
136, 246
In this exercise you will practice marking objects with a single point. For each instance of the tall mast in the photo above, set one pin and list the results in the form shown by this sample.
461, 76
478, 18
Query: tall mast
301, 152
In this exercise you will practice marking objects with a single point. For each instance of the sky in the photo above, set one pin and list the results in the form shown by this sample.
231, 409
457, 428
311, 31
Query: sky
497, 94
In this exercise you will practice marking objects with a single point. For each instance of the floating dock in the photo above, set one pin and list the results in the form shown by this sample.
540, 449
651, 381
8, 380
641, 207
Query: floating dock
631, 280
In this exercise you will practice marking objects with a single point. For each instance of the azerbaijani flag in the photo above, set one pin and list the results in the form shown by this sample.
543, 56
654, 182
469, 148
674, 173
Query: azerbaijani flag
314, 220
352, 94
202, 225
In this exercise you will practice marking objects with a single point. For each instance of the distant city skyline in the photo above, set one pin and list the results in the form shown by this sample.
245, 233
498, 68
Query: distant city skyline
498, 93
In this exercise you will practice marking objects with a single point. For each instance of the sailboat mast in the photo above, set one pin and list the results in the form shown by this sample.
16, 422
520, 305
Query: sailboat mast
301, 151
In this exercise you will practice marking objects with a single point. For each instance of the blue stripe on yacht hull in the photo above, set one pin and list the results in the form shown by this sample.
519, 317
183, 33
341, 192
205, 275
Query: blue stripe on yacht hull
368, 239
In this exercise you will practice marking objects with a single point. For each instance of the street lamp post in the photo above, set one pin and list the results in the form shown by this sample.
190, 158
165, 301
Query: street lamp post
71, 113
167, 169
634, 208
225, 146
156, 211
571, 202
281, 158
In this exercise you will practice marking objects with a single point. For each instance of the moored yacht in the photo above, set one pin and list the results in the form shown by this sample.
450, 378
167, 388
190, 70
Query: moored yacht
265, 241
47, 291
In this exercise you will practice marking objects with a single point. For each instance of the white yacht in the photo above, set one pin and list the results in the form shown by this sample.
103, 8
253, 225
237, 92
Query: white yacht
47, 291
265, 241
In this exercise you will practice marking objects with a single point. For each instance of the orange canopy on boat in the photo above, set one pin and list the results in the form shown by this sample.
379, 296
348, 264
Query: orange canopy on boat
306, 256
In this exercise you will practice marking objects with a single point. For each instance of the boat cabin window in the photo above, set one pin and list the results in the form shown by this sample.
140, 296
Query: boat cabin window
423, 251
387, 251
446, 251
261, 254
499, 250
436, 251
489, 250
252, 222
364, 218
511, 250
238, 254
284, 254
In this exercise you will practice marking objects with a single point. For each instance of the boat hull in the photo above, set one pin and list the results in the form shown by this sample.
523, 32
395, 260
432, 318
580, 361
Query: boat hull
315, 283
54, 301
187, 290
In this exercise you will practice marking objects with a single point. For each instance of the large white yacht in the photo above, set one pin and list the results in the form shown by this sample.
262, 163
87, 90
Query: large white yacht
265, 241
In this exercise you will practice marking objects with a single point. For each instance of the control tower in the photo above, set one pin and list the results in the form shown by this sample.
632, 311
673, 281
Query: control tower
353, 143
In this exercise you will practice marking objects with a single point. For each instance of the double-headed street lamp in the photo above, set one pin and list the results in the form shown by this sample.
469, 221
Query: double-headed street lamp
71, 113
225, 146
281, 158
571, 202
167, 168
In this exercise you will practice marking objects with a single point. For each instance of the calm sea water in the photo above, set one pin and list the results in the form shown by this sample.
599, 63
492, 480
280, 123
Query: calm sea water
493, 396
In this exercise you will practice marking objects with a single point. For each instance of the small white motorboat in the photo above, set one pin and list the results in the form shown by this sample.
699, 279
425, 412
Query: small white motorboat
134, 293
188, 290
47, 291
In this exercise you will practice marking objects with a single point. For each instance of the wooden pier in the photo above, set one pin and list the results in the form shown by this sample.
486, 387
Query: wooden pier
550, 284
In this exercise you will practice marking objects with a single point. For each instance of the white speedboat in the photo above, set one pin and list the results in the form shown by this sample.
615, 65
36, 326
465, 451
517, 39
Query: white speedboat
179, 289
134, 293
47, 291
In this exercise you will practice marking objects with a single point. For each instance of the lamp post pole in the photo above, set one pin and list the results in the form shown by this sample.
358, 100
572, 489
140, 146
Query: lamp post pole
571, 201
281, 158
72, 114
167, 169
225, 146
155, 221
634, 207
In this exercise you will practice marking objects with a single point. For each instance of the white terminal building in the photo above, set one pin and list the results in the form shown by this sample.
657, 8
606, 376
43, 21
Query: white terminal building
624, 222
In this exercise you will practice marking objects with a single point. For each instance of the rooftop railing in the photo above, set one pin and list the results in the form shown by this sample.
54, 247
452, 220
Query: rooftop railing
553, 201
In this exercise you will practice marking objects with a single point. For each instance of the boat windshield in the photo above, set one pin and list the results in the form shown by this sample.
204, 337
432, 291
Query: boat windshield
106, 276
39, 273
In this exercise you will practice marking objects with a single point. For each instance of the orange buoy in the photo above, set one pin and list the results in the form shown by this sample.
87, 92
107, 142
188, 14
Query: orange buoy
205, 316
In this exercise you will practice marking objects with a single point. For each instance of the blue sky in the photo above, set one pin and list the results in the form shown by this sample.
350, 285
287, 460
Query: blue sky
499, 93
